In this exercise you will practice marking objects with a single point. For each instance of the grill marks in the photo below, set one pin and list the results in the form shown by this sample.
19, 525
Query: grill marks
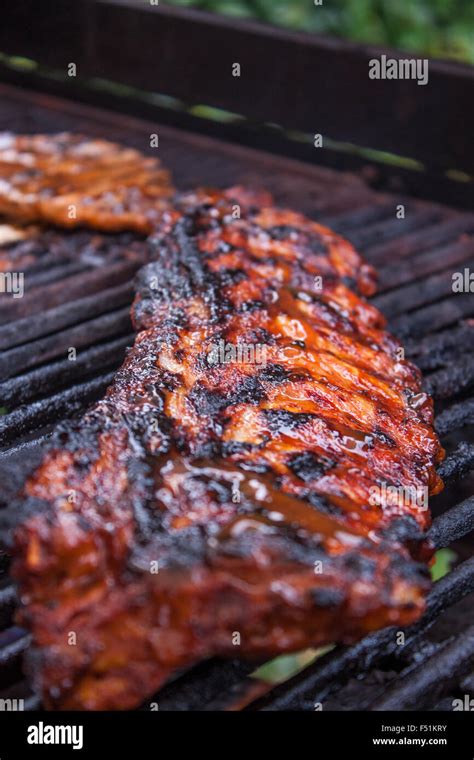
70, 180
247, 481
341, 390
307, 466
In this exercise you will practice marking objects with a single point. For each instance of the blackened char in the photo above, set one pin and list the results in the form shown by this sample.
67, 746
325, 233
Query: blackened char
203, 498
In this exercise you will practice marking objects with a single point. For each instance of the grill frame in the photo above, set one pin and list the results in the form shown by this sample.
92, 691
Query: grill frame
353, 208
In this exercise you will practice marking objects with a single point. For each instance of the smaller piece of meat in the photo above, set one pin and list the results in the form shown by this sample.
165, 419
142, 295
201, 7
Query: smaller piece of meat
34, 246
71, 180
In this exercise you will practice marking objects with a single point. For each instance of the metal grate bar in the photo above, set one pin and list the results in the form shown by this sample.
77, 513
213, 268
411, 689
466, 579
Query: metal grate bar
13, 643
402, 300
448, 382
453, 524
455, 417
41, 413
202, 684
67, 290
67, 314
422, 240
25, 448
458, 463
355, 219
435, 351
8, 603
38, 279
434, 676
46, 262
435, 260
374, 234
106, 326
38, 382
433, 317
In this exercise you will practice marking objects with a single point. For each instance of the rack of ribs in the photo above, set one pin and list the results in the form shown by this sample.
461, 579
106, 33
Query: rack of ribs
72, 181
216, 490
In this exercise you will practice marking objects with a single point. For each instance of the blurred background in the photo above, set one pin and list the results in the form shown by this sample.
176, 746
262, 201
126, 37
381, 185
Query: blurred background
437, 28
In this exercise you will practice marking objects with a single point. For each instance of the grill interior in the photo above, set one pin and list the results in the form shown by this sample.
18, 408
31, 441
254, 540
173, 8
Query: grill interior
83, 301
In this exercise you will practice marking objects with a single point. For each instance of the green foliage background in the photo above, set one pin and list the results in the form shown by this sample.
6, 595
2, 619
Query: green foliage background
438, 28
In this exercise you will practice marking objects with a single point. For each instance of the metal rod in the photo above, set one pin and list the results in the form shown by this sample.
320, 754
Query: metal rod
422, 240
13, 643
435, 316
415, 295
354, 219
22, 389
448, 382
85, 334
415, 688
62, 405
453, 524
438, 350
202, 684
67, 290
67, 314
458, 463
392, 227
455, 417
435, 260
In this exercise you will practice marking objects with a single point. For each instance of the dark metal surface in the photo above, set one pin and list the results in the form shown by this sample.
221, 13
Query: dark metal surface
145, 46
432, 674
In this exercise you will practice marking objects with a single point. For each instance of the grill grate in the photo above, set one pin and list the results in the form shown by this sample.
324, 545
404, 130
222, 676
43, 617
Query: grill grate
85, 304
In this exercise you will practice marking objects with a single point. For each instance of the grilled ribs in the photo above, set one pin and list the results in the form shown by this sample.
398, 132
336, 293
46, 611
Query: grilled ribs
219, 500
71, 181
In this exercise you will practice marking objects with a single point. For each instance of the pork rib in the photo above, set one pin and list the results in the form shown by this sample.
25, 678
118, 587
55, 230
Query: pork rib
219, 501
72, 181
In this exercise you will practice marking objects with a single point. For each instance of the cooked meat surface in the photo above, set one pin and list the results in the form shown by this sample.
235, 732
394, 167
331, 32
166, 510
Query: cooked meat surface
219, 500
71, 181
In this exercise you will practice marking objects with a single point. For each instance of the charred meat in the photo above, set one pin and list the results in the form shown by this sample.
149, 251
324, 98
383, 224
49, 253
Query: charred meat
72, 181
235, 476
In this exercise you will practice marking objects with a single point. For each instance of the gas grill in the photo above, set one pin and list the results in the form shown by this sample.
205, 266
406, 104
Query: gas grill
83, 301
